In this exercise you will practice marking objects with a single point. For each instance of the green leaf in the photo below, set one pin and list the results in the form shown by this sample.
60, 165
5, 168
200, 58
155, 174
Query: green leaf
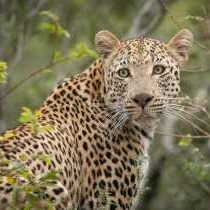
23, 172
7, 135
193, 18
47, 71
53, 26
26, 115
82, 50
44, 128
31, 118
5, 162
62, 32
199, 170
37, 114
24, 157
28, 206
49, 27
51, 176
57, 56
11, 180
49, 14
3, 71
45, 158
185, 141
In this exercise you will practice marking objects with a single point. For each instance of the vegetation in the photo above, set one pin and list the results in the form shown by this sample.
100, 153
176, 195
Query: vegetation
44, 41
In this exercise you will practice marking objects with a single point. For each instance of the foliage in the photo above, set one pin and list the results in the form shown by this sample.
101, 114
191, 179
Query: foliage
3, 72
82, 50
196, 166
32, 120
53, 26
7, 135
104, 198
27, 188
193, 18
16, 172
185, 141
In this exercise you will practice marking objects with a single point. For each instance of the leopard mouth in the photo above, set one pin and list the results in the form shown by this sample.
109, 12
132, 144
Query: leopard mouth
155, 110
121, 112
149, 112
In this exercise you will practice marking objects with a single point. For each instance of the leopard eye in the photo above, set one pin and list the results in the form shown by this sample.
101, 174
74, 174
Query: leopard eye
124, 72
158, 69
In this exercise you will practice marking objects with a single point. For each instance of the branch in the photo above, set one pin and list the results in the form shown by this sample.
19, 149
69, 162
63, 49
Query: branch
182, 135
19, 46
149, 16
207, 21
196, 70
206, 188
21, 32
36, 9
35, 72
180, 26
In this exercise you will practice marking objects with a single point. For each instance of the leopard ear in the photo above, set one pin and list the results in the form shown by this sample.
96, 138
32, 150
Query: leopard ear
106, 42
179, 45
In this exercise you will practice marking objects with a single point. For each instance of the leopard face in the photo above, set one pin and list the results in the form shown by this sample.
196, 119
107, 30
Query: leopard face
142, 76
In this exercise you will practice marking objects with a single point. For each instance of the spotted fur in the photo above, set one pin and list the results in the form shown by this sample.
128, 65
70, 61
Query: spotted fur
103, 122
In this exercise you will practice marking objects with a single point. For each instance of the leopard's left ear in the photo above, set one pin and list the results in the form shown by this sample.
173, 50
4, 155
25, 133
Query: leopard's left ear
179, 45
106, 42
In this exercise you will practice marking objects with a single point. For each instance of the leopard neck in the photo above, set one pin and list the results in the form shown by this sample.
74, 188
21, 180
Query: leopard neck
93, 80
84, 88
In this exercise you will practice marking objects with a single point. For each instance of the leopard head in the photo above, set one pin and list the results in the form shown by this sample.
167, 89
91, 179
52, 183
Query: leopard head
141, 75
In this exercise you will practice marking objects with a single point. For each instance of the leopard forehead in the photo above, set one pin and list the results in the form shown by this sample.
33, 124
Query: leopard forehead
141, 51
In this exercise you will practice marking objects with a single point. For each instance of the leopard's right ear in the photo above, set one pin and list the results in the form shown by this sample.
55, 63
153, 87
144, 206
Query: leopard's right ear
106, 42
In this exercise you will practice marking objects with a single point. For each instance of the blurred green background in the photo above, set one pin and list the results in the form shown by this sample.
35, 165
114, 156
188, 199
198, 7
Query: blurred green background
180, 172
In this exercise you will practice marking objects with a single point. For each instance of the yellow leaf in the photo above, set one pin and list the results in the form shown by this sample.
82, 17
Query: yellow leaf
9, 134
23, 157
11, 180
185, 141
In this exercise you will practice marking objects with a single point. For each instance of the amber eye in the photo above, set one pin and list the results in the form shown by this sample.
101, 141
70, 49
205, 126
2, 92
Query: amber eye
158, 69
123, 72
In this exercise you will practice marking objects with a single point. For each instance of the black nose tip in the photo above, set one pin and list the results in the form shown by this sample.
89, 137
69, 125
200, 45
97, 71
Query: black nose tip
142, 99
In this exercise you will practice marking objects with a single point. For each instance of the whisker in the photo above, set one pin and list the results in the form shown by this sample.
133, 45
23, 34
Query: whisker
115, 122
172, 98
193, 116
117, 116
191, 123
182, 105
121, 120
195, 108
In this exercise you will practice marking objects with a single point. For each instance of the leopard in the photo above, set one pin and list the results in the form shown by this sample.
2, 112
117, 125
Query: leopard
103, 123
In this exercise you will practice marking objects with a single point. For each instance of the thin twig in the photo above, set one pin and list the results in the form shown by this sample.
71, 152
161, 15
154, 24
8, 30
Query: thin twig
140, 25
36, 9
206, 21
205, 188
194, 71
182, 135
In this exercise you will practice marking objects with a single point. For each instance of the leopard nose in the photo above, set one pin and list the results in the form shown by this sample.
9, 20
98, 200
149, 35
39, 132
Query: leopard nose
142, 99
